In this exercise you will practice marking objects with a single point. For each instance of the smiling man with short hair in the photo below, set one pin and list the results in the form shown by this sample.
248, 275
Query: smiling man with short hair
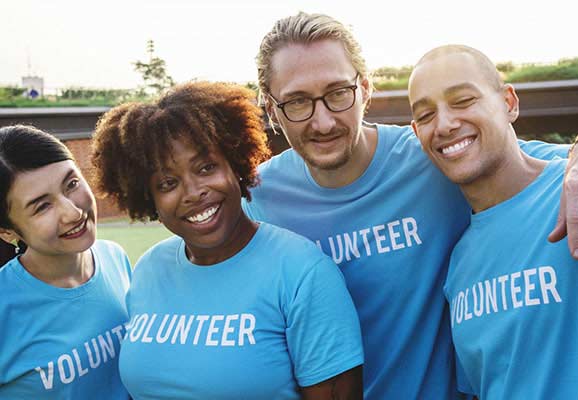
511, 292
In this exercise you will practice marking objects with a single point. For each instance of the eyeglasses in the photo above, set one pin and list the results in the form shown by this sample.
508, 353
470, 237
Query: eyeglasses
302, 108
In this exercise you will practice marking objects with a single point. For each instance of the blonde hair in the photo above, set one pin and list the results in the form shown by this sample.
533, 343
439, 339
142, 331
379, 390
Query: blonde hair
305, 28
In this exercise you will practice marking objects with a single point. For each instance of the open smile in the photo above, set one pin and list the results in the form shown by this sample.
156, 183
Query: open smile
205, 216
77, 231
456, 148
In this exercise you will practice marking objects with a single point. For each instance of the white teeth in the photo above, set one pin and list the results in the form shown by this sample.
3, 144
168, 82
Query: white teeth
204, 216
458, 146
75, 230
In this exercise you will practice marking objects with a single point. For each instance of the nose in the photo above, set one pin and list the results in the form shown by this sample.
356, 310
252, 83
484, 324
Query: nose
447, 122
70, 212
323, 119
193, 189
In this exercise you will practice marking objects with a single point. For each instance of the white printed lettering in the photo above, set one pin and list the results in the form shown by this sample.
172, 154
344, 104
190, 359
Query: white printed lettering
225, 341
246, 330
47, 381
212, 330
530, 301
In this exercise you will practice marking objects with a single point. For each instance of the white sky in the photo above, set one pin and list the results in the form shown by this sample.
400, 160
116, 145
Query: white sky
92, 43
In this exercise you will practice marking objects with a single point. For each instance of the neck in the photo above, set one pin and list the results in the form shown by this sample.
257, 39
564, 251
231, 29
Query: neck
241, 235
356, 165
66, 271
508, 179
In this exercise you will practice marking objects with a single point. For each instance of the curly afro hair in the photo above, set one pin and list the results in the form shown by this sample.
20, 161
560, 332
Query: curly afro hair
132, 140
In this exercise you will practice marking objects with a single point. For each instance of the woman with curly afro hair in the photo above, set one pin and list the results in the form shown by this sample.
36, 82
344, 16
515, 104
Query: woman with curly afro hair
228, 308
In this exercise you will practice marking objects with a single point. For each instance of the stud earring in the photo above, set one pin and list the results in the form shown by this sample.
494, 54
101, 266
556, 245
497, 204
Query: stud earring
16, 247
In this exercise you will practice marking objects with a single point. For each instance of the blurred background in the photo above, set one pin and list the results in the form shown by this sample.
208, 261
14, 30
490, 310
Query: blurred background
64, 63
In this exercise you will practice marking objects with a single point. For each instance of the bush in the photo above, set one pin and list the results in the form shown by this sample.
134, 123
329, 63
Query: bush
563, 69
11, 92
392, 78
552, 137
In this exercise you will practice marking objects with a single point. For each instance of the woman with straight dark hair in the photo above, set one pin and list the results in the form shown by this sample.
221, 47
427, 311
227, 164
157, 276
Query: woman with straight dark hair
63, 292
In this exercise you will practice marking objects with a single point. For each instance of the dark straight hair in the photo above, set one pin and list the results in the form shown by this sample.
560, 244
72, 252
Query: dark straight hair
23, 148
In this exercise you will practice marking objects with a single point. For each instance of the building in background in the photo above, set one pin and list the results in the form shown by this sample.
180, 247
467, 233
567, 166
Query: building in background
34, 86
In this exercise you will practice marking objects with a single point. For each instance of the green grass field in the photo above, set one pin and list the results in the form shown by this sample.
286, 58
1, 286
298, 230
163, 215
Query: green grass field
134, 238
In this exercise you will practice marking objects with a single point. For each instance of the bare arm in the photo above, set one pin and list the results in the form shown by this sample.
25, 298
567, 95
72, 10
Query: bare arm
345, 386
567, 223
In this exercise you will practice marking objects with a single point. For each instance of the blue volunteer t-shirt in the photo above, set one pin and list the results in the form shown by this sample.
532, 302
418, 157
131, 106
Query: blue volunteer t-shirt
258, 325
512, 294
391, 232
63, 343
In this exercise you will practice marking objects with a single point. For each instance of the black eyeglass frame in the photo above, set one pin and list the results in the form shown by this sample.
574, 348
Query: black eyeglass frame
282, 105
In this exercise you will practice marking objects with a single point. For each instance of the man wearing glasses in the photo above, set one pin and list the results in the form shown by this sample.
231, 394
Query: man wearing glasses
370, 199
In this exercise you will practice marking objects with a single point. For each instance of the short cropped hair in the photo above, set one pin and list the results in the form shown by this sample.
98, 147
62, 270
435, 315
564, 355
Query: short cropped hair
132, 141
484, 63
305, 28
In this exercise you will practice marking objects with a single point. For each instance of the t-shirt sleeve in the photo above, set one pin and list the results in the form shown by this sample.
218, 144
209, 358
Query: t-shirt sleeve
543, 150
127, 266
323, 333
123, 261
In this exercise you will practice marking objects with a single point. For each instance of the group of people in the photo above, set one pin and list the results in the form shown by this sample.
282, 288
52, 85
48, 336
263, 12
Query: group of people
367, 261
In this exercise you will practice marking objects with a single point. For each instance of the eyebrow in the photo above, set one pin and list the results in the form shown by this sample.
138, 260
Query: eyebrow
457, 88
43, 196
423, 101
449, 91
166, 168
329, 87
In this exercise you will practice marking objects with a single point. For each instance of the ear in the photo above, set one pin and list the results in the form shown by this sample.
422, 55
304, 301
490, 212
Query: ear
271, 110
512, 102
366, 89
9, 236
414, 128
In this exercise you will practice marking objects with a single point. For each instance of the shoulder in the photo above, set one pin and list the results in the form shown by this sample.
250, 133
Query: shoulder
559, 166
296, 254
549, 188
162, 252
108, 248
283, 163
113, 258
7, 275
543, 150
399, 139
278, 176
278, 237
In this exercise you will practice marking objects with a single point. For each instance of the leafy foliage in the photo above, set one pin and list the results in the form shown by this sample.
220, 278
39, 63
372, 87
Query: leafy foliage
392, 78
563, 69
154, 72
553, 137
156, 79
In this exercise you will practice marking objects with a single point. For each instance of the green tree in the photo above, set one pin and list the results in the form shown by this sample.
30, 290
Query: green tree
154, 72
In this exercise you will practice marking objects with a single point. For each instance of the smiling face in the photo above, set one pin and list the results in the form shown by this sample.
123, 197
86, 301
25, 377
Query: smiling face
328, 139
198, 198
462, 120
53, 210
